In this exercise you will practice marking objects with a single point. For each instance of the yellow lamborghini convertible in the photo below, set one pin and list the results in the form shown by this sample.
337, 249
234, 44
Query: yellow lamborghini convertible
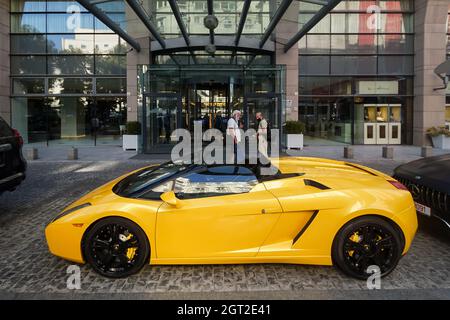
308, 211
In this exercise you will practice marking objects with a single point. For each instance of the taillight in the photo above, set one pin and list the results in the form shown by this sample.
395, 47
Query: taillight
398, 185
18, 136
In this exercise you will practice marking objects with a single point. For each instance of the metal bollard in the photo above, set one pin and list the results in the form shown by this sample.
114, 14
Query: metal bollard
388, 152
426, 151
348, 152
73, 154
32, 154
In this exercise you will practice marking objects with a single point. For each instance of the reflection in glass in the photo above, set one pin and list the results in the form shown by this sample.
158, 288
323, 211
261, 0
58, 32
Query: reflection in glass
70, 43
67, 23
28, 86
111, 85
70, 65
28, 23
35, 43
69, 85
28, 65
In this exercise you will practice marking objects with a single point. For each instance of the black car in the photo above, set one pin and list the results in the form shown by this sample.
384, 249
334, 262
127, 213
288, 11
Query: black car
12, 163
428, 180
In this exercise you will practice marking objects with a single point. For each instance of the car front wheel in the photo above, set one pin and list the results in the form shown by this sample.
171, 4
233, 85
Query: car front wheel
367, 245
116, 247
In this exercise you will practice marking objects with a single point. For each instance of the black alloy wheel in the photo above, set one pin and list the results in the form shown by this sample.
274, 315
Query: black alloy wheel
116, 247
365, 242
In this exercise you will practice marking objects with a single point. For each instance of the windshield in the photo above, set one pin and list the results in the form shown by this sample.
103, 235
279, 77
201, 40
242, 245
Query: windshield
140, 180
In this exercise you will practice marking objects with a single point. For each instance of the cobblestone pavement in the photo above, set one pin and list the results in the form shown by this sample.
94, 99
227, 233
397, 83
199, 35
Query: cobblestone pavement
27, 267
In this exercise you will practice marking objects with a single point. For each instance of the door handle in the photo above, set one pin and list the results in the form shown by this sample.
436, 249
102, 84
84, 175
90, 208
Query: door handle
263, 211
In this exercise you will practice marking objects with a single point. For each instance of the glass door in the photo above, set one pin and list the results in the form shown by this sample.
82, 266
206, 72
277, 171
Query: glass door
267, 104
162, 115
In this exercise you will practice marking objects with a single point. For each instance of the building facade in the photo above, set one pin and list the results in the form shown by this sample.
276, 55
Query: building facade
354, 72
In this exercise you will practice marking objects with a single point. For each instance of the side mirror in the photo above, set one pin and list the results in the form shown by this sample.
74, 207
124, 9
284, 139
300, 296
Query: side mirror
170, 198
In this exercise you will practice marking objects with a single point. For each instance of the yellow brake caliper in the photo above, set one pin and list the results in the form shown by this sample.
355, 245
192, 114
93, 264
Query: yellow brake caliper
355, 238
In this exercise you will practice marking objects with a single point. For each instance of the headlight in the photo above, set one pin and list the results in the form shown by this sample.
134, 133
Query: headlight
64, 213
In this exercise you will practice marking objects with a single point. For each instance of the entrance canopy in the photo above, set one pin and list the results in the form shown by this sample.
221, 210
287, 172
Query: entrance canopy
210, 25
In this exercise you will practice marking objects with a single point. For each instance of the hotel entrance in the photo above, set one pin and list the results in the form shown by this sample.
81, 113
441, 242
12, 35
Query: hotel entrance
181, 97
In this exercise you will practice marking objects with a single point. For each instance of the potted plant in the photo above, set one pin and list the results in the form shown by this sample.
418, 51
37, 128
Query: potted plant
294, 131
131, 136
440, 137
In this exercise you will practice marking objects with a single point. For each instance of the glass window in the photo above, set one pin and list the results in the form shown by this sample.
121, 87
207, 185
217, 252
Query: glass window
353, 43
351, 23
166, 22
63, 6
396, 5
395, 64
323, 26
67, 119
70, 85
396, 23
340, 85
227, 23
317, 43
70, 23
256, 23
107, 43
139, 181
214, 182
61, 65
28, 23
314, 65
28, 6
70, 43
396, 43
5, 130
35, 43
118, 18
314, 85
108, 65
28, 65
353, 65
28, 86
29, 117
111, 85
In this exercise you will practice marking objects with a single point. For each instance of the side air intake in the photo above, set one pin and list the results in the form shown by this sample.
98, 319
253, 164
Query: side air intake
315, 184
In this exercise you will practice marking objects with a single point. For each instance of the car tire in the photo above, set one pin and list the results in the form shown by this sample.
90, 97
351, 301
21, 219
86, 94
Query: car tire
365, 242
116, 247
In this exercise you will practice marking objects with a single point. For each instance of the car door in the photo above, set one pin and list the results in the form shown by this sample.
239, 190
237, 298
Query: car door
224, 212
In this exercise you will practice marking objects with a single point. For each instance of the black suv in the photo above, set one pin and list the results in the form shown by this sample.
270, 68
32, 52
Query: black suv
12, 163
428, 180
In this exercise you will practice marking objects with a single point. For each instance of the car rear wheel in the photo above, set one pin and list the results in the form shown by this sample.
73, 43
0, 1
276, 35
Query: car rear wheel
367, 242
116, 247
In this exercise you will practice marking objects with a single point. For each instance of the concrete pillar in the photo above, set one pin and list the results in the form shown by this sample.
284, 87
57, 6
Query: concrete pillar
286, 29
348, 152
133, 60
5, 87
388, 152
136, 29
430, 50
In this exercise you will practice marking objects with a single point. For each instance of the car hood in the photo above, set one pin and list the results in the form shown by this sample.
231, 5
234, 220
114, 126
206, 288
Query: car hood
432, 171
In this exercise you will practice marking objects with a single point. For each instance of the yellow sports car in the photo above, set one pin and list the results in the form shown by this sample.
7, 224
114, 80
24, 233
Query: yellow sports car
308, 211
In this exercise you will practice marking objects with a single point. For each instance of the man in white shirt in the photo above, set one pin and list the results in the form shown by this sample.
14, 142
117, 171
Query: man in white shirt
262, 134
234, 133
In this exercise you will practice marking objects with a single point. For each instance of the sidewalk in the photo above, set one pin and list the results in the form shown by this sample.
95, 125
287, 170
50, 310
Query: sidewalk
363, 154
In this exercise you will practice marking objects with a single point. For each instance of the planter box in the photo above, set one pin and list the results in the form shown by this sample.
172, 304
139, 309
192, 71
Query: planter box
295, 141
130, 142
441, 142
